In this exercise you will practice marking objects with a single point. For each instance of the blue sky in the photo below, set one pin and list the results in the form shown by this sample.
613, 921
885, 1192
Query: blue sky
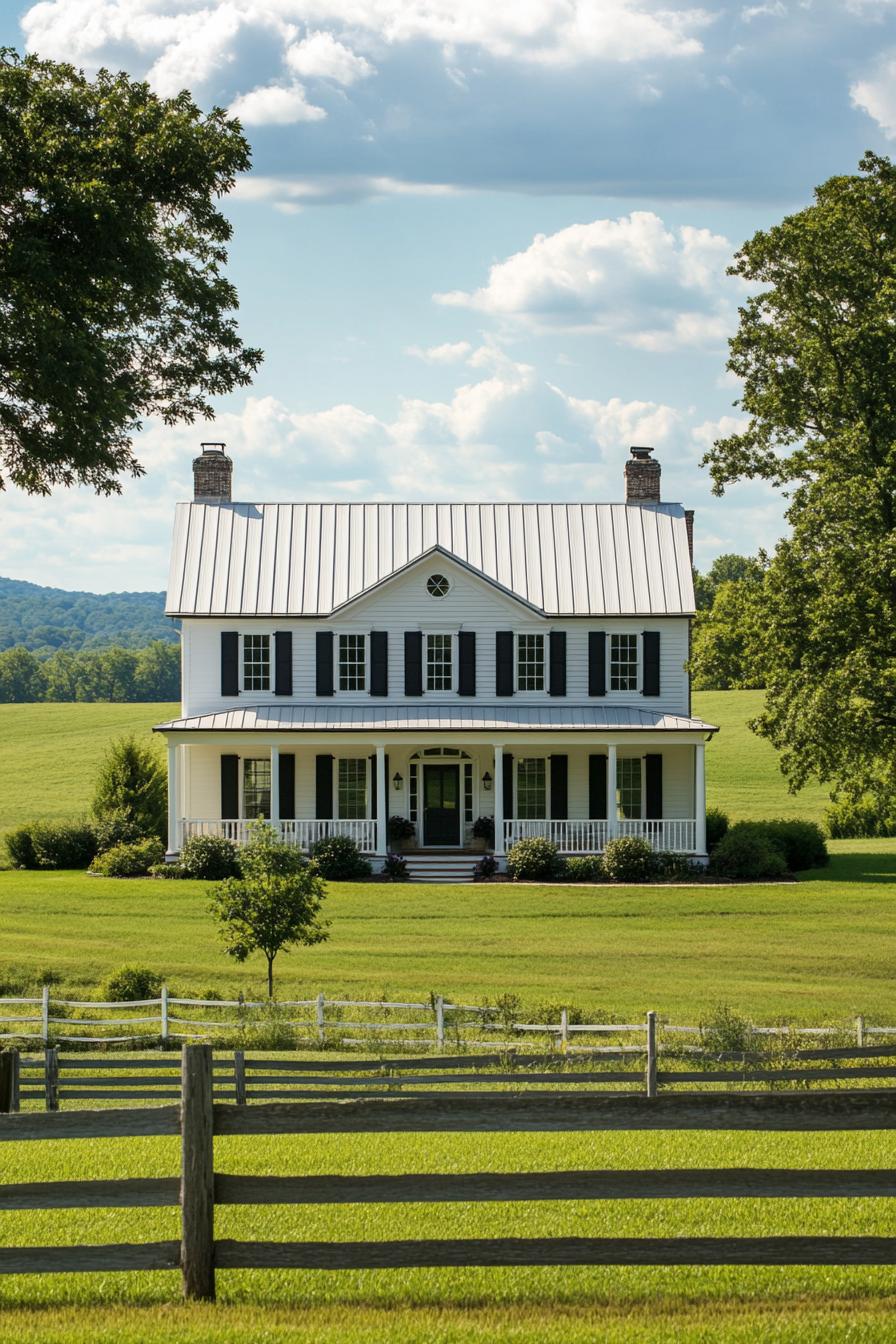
483, 247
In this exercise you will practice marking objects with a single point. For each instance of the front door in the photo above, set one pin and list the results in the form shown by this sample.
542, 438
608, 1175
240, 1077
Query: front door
441, 805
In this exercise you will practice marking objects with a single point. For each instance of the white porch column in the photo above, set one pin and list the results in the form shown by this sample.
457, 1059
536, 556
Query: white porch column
700, 796
173, 818
275, 788
382, 804
612, 807
499, 802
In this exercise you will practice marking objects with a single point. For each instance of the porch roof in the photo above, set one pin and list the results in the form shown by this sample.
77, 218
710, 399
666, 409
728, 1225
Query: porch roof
404, 718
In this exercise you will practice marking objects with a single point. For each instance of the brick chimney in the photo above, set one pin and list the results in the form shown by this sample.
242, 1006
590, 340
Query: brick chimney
642, 478
212, 474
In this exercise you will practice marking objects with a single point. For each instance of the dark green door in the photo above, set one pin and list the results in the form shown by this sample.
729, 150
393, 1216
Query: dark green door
441, 805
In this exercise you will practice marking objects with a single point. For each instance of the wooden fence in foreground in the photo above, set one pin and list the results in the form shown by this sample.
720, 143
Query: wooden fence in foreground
198, 1118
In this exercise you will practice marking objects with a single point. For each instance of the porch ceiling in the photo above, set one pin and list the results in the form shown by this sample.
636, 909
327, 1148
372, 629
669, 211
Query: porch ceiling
422, 718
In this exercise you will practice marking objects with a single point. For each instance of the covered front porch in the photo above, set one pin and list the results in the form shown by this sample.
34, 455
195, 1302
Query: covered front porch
577, 788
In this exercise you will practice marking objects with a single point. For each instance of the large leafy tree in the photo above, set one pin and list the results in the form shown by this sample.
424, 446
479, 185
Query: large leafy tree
817, 355
113, 304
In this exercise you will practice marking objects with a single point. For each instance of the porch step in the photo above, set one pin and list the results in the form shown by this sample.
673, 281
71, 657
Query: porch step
441, 867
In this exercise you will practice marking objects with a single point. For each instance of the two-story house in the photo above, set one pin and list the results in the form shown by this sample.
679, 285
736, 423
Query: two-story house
344, 663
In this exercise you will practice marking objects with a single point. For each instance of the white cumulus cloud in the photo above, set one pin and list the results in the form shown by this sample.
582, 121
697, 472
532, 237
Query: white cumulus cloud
275, 105
451, 352
876, 95
321, 56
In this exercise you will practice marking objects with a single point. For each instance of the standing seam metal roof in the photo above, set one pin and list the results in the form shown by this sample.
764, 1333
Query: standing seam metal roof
309, 559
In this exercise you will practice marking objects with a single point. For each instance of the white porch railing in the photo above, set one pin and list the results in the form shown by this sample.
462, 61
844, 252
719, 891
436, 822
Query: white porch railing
672, 835
301, 833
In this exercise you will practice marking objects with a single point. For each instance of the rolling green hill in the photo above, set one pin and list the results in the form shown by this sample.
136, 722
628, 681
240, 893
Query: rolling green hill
46, 619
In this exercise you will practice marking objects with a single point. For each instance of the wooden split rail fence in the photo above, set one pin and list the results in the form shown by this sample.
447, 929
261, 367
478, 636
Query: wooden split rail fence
199, 1118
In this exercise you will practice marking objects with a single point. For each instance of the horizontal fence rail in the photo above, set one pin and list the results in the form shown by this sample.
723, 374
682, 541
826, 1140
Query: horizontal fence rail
198, 1118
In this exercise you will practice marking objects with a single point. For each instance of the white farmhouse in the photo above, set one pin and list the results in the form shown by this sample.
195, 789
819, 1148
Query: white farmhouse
347, 663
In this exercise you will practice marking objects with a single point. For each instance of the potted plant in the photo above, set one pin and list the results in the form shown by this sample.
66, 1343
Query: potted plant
484, 833
402, 833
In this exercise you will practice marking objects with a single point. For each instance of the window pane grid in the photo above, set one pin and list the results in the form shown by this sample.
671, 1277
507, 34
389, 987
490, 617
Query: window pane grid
256, 662
438, 662
531, 788
623, 662
530, 662
257, 788
628, 787
352, 788
468, 791
352, 670
412, 793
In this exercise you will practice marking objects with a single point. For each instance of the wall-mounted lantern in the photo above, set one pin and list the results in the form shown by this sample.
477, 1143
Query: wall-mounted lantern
487, 782
397, 782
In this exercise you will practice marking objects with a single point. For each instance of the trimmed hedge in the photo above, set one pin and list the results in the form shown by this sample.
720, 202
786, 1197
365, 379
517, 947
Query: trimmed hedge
717, 824
583, 868
629, 858
534, 860
129, 860
746, 852
209, 857
338, 859
63, 844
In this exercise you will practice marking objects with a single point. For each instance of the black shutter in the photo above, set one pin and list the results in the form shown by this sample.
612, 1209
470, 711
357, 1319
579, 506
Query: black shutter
413, 662
597, 662
371, 766
379, 662
559, 787
466, 662
287, 786
504, 662
558, 662
651, 685
283, 662
230, 662
508, 785
323, 787
597, 787
230, 788
324, 651
653, 787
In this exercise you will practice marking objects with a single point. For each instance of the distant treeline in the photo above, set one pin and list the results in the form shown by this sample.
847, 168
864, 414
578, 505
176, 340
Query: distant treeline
46, 619
152, 674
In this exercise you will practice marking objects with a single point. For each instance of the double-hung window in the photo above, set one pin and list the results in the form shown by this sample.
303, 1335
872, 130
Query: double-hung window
257, 786
623, 662
439, 662
531, 788
352, 788
530, 662
628, 787
256, 662
352, 662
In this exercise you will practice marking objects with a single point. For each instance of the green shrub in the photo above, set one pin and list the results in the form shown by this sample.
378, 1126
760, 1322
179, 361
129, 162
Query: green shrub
133, 783
210, 858
802, 842
670, 867
20, 848
727, 1032
534, 860
62, 844
747, 852
172, 871
395, 869
115, 829
716, 826
852, 819
129, 860
485, 868
629, 858
583, 868
129, 983
338, 859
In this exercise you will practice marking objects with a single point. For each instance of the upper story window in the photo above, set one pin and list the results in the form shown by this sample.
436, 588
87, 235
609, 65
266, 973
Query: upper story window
352, 788
531, 788
628, 786
623, 663
439, 662
530, 663
352, 662
256, 662
437, 585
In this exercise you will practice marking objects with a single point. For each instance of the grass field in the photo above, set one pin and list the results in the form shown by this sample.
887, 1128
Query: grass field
49, 756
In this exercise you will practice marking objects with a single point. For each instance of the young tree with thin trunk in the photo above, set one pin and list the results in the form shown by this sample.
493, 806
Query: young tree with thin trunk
275, 904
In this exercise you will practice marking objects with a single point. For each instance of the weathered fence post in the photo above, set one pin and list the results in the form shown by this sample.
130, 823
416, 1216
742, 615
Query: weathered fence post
164, 1014
860, 1031
321, 1026
9, 1081
239, 1076
51, 1078
650, 1071
440, 1022
45, 1014
564, 1029
197, 1180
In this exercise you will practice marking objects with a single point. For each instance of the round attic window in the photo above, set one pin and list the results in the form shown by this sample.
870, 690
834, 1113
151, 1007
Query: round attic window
437, 585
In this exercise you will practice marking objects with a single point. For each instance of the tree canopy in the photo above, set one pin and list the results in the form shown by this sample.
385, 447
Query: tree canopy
113, 304
816, 352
